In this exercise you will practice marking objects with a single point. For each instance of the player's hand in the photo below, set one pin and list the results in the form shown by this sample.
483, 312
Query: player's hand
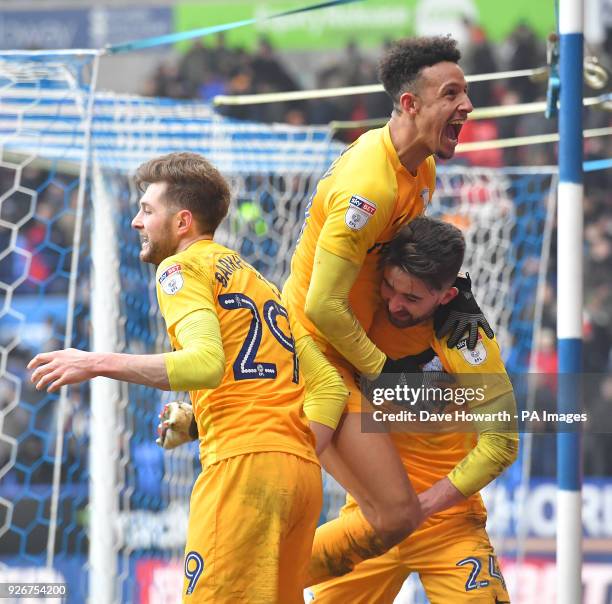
177, 425
55, 369
395, 372
462, 314
412, 363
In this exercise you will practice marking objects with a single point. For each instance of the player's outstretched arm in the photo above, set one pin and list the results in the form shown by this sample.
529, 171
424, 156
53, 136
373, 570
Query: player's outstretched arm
58, 368
199, 364
461, 315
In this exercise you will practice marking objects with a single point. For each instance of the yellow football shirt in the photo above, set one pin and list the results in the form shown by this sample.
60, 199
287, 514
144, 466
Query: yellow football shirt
428, 457
358, 205
258, 405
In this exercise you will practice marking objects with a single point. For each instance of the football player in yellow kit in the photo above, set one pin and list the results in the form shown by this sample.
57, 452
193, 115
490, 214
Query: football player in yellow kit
255, 505
381, 182
451, 550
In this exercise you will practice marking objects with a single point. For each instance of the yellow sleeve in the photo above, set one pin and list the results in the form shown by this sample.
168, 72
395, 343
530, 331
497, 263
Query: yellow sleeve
494, 452
327, 306
326, 394
185, 296
182, 288
354, 221
498, 442
200, 361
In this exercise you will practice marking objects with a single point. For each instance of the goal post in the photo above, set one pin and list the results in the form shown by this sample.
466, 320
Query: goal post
104, 540
122, 502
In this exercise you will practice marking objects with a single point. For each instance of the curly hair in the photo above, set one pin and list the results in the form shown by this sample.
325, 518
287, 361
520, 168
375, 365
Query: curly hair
399, 69
431, 250
192, 183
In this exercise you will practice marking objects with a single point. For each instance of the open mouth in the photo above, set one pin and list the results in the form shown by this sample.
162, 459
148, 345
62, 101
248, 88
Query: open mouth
452, 130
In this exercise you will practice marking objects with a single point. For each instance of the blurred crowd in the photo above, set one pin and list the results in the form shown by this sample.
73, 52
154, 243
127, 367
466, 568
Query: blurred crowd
206, 71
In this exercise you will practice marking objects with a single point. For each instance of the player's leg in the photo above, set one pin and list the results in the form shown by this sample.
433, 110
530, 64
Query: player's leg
199, 564
231, 554
296, 543
375, 580
239, 512
369, 467
459, 565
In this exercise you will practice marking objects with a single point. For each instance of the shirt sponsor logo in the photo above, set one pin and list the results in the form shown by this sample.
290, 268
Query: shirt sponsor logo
171, 280
360, 210
474, 357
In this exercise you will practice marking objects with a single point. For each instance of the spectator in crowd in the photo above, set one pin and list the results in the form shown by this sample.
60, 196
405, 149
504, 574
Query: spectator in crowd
526, 51
481, 58
194, 64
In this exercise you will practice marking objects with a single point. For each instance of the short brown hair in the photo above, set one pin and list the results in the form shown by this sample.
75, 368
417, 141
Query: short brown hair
399, 69
431, 250
193, 184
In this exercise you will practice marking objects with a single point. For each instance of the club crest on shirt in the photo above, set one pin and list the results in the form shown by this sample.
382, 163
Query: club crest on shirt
360, 210
474, 357
171, 280
434, 365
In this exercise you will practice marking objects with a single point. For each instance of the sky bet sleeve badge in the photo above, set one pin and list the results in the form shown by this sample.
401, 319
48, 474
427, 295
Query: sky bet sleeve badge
359, 212
171, 280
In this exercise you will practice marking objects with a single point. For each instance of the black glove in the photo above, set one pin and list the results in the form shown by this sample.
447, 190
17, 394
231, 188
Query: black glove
461, 314
394, 372
409, 364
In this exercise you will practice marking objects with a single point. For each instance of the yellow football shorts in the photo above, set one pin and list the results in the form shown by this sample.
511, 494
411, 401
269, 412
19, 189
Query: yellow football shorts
252, 520
453, 556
